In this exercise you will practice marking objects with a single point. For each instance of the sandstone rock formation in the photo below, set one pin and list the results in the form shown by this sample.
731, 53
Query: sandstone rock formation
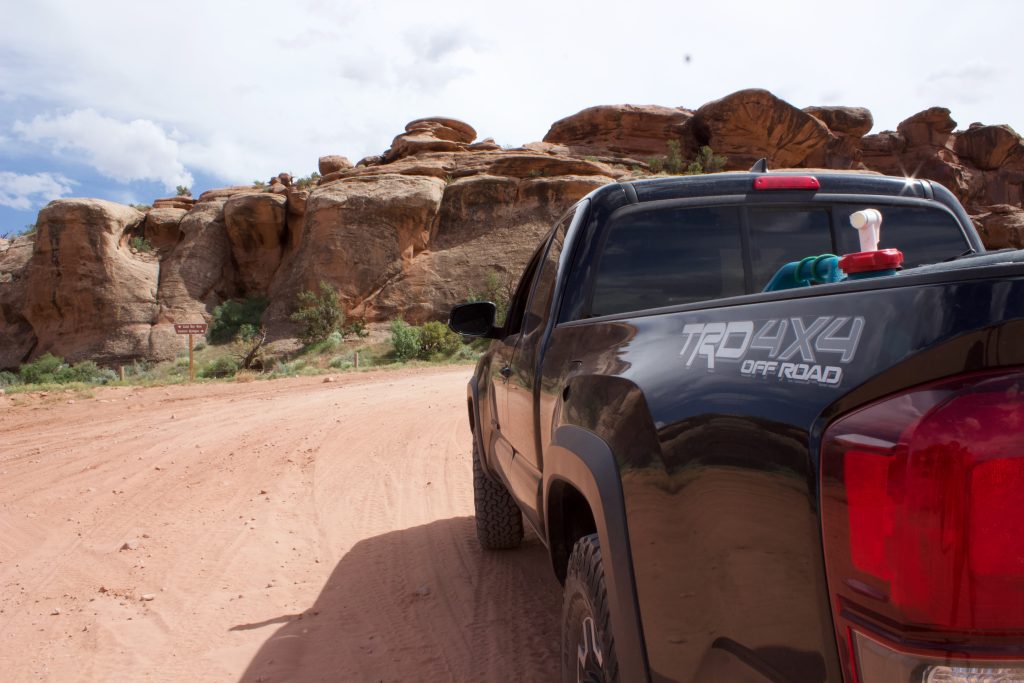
411, 232
255, 223
751, 124
16, 337
625, 130
161, 227
87, 294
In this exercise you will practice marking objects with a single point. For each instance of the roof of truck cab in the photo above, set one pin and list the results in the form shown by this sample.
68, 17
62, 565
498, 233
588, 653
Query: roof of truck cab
742, 183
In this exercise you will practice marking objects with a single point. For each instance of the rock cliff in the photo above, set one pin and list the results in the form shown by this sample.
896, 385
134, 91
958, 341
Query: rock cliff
411, 231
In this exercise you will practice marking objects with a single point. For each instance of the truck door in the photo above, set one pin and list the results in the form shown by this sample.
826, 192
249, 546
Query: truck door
521, 426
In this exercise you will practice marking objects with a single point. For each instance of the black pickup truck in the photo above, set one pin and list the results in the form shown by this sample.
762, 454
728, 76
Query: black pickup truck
748, 471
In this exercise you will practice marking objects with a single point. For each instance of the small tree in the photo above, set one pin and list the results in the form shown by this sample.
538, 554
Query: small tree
236, 318
318, 316
436, 339
405, 340
183, 191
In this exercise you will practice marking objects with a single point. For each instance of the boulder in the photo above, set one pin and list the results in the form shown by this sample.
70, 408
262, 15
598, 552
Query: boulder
179, 202
16, 335
845, 121
371, 160
431, 135
1001, 226
360, 233
161, 227
620, 129
990, 147
255, 225
751, 124
224, 193
88, 295
487, 225
332, 163
443, 128
530, 165
929, 128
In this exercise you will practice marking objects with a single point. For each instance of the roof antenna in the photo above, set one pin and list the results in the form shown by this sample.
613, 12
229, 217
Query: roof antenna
760, 166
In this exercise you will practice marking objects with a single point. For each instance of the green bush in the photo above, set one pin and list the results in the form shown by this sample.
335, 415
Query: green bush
236, 318
87, 371
51, 369
183, 191
357, 327
309, 181
225, 366
405, 340
41, 370
7, 378
436, 339
318, 316
140, 243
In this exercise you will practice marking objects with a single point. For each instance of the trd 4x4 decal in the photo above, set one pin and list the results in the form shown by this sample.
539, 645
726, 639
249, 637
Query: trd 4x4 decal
785, 348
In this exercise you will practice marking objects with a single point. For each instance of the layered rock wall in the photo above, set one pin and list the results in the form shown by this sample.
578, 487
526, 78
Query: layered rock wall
412, 231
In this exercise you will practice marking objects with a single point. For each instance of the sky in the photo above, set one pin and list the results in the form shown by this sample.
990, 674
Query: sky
127, 100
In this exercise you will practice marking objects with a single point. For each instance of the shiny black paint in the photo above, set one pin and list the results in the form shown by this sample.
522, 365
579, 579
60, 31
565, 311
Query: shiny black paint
719, 471
718, 566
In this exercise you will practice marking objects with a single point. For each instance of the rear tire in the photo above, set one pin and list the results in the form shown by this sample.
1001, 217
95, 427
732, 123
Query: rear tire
499, 523
588, 648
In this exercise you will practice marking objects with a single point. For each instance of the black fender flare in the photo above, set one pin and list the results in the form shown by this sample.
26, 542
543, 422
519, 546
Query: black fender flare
583, 460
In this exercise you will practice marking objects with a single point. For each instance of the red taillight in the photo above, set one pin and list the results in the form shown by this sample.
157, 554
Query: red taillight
923, 516
786, 182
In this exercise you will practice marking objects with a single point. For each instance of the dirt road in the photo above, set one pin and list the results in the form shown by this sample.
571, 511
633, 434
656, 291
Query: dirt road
292, 530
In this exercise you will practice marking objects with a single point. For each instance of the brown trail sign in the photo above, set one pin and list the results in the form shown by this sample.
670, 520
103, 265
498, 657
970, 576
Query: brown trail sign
190, 329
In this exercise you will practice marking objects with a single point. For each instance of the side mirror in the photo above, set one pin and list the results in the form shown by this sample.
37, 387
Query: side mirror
474, 319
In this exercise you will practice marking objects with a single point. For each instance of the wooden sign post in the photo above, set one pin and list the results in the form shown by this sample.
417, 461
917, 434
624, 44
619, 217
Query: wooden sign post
190, 329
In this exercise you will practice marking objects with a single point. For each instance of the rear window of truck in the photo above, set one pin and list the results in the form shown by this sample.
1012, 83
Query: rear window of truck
670, 256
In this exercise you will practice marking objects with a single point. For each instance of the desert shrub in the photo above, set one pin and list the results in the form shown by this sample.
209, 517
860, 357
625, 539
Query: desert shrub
142, 207
309, 181
51, 369
183, 191
706, 161
436, 339
87, 371
41, 370
340, 363
331, 343
674, 163
287, 368
357, 327
140, 243
236, 318
405, 339
318, 316
7, 378
225, 366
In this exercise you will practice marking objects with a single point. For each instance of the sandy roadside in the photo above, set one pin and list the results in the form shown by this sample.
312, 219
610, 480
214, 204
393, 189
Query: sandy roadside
292, 530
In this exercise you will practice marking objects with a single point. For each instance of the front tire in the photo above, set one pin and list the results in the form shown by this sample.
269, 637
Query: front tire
499, 523
588, 648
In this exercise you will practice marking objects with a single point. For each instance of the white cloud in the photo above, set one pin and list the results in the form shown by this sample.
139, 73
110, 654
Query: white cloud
24, 192
137, 150
248, 91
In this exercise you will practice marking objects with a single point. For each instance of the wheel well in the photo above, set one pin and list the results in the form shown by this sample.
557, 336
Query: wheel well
569, 519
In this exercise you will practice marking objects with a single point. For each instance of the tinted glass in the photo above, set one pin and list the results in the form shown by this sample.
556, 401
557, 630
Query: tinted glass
779, 236
537, 310
667, 257
923, 235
